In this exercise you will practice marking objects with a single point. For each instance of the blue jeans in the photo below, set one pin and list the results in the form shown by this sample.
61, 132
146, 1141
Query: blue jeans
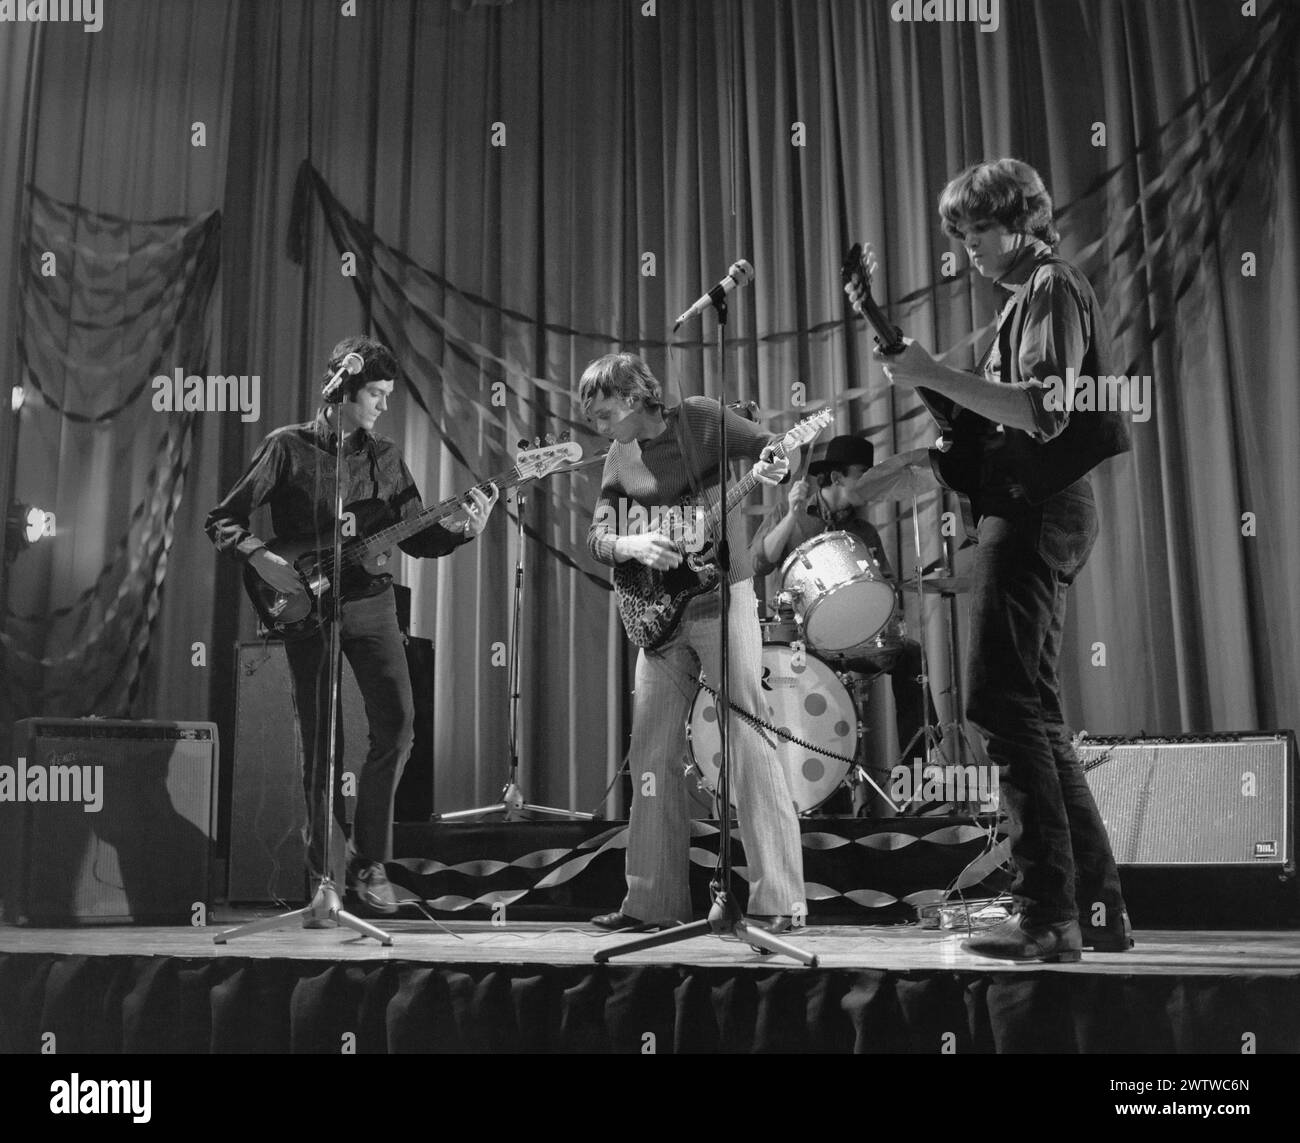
1024, 565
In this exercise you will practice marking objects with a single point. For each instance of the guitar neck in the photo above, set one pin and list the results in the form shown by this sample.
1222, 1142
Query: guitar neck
890, 336
394, 534
738, 491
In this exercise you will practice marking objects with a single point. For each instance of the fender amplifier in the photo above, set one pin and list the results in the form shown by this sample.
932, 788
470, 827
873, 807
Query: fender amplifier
1202, 826
108, 821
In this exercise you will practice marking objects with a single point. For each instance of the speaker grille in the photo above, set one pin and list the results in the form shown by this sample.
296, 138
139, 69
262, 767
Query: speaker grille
1194, 803
145, 853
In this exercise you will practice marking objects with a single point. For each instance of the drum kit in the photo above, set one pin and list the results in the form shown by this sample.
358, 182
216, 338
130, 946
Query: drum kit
838, 625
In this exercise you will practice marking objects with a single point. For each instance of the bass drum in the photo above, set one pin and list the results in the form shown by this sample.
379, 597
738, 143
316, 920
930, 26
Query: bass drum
806, 702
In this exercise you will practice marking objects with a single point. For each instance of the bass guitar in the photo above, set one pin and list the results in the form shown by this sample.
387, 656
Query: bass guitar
651, 602
365, 556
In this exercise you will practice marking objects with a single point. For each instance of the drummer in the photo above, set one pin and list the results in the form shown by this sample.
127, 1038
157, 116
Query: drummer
835, 500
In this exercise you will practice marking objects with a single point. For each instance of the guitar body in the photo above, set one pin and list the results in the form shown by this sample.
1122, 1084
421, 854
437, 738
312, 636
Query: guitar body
293, 615
650, 602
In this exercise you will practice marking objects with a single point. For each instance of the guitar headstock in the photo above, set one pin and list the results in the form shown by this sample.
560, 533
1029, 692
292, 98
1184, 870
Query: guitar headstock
859, 268
543, 459
806, 430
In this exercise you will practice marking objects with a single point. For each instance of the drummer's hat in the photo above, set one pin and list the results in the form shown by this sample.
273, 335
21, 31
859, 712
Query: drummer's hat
842, 452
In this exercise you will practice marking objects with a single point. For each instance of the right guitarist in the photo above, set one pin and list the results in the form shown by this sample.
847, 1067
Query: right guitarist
1036, 526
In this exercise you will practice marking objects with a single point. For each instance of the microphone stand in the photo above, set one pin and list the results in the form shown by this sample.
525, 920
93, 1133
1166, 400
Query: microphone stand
512, 797
325, 903
725, 915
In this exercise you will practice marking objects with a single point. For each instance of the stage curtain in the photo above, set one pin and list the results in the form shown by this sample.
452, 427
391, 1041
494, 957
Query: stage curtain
561, 177
119, 183
123, 1004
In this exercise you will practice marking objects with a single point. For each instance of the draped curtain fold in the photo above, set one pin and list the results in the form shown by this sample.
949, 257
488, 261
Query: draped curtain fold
524, 187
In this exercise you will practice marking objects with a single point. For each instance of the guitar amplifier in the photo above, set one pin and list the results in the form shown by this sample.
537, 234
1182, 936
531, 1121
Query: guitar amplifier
1202, 826
108, 820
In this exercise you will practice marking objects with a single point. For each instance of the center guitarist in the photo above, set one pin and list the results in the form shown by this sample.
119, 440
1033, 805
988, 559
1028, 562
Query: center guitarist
293, 472
657, 456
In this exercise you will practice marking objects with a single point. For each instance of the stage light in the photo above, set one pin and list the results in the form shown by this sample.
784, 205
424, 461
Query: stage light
16, 397
24, 525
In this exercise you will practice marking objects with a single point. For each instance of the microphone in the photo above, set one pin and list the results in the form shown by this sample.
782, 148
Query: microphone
352, 364
740, 274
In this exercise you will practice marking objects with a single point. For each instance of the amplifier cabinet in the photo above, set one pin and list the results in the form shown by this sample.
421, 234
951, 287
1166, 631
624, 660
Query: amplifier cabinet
1202, 826
108, 820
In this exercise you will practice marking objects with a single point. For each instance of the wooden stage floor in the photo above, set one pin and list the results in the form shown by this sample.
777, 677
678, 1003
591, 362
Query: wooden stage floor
900, 948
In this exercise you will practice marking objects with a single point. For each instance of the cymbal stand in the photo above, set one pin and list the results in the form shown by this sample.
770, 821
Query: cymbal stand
928, 731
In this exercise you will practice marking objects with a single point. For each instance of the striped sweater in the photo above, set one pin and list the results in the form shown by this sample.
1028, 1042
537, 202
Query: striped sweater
654, 474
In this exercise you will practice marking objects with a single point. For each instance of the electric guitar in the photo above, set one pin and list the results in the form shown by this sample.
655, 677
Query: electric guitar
963, 436
651, 602
365, 556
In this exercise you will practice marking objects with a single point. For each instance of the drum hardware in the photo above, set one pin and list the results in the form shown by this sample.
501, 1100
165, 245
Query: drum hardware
949, 587
941, 585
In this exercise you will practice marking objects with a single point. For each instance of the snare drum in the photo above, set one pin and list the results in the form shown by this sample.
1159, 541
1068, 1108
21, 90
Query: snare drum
840, 593
807, 702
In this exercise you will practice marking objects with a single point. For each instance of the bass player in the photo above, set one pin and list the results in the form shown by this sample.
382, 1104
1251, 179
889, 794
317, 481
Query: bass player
293, 472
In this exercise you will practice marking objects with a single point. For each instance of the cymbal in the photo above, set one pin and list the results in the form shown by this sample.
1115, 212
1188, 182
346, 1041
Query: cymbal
940, 585
899, 467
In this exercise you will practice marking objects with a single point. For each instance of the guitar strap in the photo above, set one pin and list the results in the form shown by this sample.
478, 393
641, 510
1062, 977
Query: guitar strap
689, 455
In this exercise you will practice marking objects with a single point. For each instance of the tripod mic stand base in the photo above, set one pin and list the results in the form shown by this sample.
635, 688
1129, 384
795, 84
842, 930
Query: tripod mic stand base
724, 918
325, 906
512, 799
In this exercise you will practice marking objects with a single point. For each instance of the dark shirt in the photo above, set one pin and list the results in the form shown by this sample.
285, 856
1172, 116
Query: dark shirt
654, 474
293, 471
813, 521
1056, 326
1051, 332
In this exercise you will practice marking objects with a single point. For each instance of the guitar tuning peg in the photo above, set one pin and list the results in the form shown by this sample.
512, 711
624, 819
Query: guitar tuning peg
550, 438
564, 436
523, 443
